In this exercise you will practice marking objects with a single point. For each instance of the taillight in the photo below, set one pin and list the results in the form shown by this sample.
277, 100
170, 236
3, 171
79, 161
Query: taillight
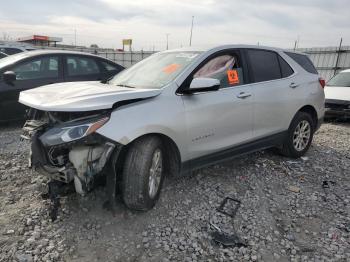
322, 82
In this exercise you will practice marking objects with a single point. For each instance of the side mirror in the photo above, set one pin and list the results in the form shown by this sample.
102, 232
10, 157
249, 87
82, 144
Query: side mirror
9, 77
203, 84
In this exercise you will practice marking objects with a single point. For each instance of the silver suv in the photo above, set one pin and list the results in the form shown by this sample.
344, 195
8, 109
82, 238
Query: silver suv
173, 112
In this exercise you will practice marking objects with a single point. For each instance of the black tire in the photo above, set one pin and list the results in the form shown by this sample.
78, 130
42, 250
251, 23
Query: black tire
288, 147
136, 173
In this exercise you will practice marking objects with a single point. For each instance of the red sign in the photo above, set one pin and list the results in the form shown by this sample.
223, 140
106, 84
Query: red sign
232, 76
41, 37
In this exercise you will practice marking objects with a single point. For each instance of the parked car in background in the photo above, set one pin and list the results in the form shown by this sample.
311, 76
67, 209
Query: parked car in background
173, 112
337, 92
11, 48
28, 70
2, 55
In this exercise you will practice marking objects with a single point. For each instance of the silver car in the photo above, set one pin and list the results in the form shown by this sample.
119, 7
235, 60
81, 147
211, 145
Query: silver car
171, 113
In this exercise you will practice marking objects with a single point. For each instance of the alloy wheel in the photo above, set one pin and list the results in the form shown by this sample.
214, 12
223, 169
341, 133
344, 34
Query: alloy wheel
301, 135
155, 173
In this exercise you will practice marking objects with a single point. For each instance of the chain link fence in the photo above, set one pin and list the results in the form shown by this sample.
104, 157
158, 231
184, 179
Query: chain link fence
327, 60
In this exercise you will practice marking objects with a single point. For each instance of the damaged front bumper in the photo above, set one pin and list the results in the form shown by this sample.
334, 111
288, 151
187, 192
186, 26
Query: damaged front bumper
68, 152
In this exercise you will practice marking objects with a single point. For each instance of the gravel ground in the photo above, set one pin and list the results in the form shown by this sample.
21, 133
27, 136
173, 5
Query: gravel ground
285, 213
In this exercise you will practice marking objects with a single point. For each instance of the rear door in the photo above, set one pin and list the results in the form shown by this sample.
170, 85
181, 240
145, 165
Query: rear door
81, 68
276, 98
221, 119
31, 73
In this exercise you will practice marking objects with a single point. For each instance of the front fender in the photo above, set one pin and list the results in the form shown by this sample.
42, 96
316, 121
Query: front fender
161, 115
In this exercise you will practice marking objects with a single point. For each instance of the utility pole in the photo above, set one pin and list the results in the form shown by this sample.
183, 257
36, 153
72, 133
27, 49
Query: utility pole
75, 37
338, 55
191, 31
167, 41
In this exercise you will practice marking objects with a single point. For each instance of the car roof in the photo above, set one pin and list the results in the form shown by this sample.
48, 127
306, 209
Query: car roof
231, 46
223, 47
345, 71
9, 60
44, 52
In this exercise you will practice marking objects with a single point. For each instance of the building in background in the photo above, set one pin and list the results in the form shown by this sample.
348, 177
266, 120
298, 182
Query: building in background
40, 40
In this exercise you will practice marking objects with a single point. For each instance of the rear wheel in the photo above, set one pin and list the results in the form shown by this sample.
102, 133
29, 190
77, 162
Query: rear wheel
143, 173
300, 134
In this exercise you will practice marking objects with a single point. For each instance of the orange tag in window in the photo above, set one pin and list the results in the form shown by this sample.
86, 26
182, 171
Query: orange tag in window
171, 68
232, 77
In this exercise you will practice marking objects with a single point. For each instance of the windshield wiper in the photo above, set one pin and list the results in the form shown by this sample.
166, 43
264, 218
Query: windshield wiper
126, 86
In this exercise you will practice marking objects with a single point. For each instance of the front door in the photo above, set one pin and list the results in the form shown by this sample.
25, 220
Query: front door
222, 119
31, 73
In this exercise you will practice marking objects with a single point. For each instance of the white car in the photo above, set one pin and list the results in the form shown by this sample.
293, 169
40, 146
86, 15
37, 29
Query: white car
173, 112
337, 93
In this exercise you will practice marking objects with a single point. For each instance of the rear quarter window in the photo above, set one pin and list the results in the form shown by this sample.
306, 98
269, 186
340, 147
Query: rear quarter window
110, 67
303, 61
286, 70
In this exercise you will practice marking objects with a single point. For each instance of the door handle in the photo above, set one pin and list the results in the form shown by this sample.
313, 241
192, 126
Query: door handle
243, 95
293, 85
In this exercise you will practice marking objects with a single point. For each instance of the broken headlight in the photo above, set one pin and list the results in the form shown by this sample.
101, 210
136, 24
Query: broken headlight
72, 131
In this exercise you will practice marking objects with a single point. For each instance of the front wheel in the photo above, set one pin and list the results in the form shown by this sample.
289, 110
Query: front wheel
143, 173
300, 134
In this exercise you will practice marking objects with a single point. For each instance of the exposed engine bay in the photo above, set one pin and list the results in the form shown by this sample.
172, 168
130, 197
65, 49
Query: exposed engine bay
65, 147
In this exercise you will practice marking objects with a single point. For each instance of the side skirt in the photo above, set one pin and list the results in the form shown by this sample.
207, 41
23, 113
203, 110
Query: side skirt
221, 156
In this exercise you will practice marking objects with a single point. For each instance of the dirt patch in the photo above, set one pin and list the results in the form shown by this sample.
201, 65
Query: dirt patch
307, 223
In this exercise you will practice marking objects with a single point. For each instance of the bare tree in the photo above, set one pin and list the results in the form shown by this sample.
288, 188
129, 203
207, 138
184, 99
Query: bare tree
6, 36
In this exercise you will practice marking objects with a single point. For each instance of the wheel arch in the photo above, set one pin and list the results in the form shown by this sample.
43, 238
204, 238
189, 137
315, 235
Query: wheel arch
172, 153
309, 109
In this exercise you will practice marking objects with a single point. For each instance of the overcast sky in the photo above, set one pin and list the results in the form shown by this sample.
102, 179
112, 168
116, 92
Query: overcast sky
106, 22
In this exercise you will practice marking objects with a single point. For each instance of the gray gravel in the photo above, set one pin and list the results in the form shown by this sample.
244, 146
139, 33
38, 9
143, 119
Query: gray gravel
285, 214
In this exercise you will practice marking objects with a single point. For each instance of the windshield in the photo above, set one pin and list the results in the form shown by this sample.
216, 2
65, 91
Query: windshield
342, 79
155, 71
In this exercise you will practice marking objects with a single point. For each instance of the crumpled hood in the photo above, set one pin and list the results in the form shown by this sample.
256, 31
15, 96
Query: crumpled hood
81, 96
337, 93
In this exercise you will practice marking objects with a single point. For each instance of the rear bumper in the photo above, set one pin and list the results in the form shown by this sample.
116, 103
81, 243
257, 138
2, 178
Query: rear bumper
337, 113
337, 108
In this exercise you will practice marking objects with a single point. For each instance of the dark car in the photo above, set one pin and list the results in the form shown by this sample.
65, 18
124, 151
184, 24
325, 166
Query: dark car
28, 70
2, 55
14, 48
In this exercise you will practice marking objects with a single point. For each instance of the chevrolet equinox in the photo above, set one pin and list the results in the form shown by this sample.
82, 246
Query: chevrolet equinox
171, 113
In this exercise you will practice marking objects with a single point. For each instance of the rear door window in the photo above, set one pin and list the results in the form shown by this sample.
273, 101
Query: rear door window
81, 66
110, 67
226, 68
303, 61
264, 65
